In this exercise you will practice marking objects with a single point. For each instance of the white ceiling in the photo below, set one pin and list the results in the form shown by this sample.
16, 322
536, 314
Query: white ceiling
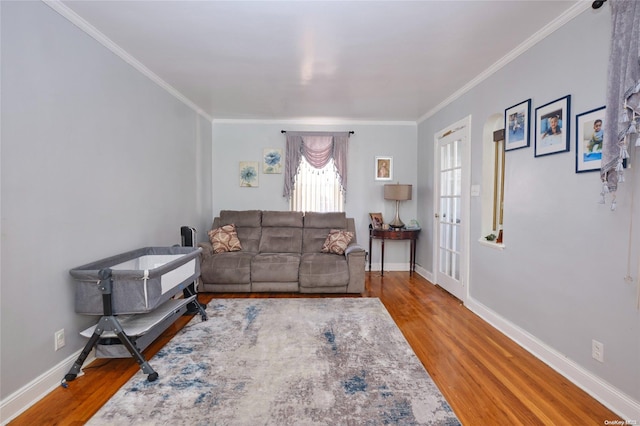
346, 60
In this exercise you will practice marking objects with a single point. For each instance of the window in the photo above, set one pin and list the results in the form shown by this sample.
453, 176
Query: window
316, 171
317, 190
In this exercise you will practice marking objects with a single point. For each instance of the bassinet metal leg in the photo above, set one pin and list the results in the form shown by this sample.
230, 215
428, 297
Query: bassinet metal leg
126, 341
203, 313
73, 373
110, 323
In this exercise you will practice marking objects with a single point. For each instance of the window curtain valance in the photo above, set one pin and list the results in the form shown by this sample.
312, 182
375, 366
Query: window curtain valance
317, 148
623, 94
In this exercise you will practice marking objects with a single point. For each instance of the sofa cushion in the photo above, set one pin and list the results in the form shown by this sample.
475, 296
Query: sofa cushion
248, 226
323, 270
275, 267
281, 240
224, 238
317, 227
289, 219
329, 220
337, 241
241, 218
281, 232
227, 268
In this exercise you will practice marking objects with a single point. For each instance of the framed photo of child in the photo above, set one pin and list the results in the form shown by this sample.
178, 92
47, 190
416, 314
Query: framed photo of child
516, 123
589, 137
552, 127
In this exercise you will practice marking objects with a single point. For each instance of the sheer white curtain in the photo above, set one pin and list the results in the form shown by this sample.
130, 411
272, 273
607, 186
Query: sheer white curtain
317, 190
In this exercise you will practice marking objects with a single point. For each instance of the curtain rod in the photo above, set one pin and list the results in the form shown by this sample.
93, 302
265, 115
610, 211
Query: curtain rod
351, 132
598, 4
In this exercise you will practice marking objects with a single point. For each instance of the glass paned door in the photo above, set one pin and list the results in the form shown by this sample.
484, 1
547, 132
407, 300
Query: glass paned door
450, 222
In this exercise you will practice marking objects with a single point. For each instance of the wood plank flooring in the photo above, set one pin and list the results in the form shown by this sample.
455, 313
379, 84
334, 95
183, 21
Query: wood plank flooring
486, 377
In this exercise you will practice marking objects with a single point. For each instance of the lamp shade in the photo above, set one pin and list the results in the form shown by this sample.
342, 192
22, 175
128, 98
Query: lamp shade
397, 192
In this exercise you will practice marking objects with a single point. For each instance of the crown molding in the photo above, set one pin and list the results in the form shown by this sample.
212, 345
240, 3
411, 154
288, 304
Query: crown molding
313, 121
547, 30
85, 26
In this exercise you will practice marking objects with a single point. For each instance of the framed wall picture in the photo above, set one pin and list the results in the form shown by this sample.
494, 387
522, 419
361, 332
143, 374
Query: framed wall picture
272, 161
589, 137
376, 220
384, 168
517, 120
249, 177
552, 127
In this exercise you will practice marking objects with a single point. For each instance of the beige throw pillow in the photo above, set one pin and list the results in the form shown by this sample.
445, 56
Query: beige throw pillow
337, 241
225, 239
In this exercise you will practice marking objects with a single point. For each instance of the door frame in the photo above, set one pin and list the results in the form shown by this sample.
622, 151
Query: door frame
465, 126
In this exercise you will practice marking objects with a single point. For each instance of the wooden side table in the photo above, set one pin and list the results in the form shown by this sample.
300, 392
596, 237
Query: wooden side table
410, 235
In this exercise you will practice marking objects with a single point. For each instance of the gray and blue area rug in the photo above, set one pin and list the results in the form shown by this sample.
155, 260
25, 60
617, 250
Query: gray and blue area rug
337, 361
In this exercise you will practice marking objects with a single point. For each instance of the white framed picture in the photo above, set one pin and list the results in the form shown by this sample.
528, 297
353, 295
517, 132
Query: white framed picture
383, 168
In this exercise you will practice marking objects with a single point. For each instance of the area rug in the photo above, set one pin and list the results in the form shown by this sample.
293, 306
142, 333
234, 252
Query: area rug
329, 361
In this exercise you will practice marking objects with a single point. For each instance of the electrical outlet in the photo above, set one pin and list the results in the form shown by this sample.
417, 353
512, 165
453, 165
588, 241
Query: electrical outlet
58, 339
597, 350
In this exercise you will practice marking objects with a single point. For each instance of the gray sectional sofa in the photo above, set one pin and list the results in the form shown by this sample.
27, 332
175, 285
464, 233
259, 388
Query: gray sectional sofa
281, 252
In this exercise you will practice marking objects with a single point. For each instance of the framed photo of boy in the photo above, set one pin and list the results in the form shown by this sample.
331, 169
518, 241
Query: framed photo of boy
517, 120
384, 168
552, 127
589, 137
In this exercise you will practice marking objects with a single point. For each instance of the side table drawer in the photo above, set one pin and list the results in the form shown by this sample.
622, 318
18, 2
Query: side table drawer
395, 235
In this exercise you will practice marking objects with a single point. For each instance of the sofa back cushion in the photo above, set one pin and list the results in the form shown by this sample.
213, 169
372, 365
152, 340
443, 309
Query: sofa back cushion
317, 227
248, 226
281, 232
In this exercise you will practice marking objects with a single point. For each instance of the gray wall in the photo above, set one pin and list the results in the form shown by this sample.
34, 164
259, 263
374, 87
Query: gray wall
96, 160
561, 276
235, 141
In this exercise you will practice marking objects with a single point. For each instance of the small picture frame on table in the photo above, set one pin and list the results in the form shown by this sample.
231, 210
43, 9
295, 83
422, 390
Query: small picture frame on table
552, 127
376, 220
589, 138
384, 168
517, 120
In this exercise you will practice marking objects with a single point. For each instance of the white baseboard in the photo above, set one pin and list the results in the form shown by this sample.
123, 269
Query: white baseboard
614, 399
424, 273
611, 397
400, 267
21, 400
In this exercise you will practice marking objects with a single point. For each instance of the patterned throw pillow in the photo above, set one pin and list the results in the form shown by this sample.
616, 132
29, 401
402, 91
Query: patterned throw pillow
225, 239
337, 241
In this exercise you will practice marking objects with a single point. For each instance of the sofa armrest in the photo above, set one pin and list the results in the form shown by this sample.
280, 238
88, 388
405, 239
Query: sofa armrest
207, 249
356, 256
352, 249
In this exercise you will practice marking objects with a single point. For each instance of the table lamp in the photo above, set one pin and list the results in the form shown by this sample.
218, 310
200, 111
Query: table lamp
397, 193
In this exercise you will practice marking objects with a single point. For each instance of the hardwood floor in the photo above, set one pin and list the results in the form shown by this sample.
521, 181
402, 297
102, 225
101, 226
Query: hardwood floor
487, 378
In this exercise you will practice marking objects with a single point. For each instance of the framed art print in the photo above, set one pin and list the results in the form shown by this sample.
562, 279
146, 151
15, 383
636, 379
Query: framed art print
249, 174
384, 168
552, 127
272, 161
589, 137
516, 123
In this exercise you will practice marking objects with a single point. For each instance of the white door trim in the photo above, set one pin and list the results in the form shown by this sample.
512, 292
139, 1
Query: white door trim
465, 126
